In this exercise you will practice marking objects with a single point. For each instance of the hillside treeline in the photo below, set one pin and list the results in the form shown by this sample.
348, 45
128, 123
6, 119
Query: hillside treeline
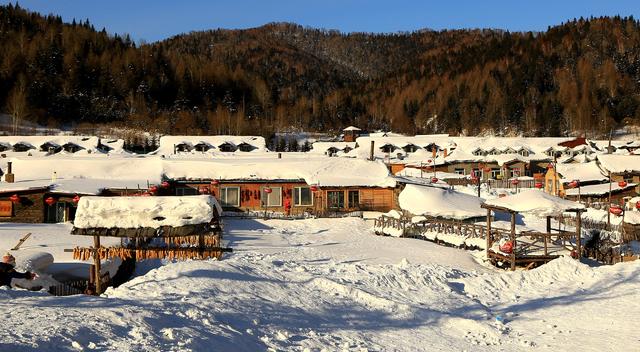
580, 77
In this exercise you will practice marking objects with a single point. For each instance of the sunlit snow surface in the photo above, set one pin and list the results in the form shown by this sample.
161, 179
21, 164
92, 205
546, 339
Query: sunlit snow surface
330, 284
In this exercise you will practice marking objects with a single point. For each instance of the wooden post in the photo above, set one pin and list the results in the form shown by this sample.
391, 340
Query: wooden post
579, 234
608, 212
513, 240
546, 237
488, 234
96, 263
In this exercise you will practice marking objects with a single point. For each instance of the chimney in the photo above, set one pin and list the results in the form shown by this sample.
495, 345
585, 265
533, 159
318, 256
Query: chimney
371, 152
9, 177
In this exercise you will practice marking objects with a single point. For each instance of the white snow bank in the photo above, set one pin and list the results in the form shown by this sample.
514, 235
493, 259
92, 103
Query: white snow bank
438, 202
535, 202
135, 212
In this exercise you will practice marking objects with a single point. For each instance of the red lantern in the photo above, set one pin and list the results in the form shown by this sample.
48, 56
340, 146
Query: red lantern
615, 210
434, 179
165, 184
314, 188
574, 184
267, 190
539, 185
550, 166
622, 184
50, 201
153, 189
76, 199
203, 190
515, 182
14, 198
506, 247
638, 205
215, 182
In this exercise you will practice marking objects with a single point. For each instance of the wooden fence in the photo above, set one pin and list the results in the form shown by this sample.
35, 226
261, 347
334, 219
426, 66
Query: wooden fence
492, 183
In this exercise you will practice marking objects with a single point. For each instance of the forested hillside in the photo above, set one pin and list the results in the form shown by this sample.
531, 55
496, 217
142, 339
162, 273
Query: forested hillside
580, 77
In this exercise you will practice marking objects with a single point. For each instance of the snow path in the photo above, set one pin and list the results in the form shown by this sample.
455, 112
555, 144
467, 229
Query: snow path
329, 284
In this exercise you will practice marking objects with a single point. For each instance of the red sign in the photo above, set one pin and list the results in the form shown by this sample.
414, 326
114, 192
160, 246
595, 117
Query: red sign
6, 208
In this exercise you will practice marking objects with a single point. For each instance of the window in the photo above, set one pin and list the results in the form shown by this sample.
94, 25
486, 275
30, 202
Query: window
335, 199
459, 171
273, 199
186, 191
230, 196
354, 199
302, 196
495, 173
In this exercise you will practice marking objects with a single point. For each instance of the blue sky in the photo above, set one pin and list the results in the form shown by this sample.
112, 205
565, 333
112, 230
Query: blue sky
159, 19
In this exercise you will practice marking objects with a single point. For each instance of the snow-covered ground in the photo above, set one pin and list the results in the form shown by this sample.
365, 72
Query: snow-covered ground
330, 284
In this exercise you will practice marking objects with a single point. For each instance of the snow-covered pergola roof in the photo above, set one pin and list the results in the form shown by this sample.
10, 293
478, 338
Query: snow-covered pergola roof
145, 212
535, 202
598, 190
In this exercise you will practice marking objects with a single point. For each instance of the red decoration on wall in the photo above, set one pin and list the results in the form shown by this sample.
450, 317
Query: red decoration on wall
539, 185
622, 184
165, 184
153, 189
14, 198
76, 199
50, 201
267, 190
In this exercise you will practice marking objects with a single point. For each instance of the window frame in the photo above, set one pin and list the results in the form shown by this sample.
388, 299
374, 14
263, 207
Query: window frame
265, 202
224, 204
297, 192
340, 206
349, 192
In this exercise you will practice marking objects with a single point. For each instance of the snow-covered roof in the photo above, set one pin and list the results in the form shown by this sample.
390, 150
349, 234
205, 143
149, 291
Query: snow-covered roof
167, 143
439, 202
39, 144
619, 164
319, 170
583, 172
139, 212
597, 190
132, 171
535, 202
323, 147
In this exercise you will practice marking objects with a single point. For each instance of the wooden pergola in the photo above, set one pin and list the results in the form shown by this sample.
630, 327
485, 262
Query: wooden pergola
200, 240
532, 247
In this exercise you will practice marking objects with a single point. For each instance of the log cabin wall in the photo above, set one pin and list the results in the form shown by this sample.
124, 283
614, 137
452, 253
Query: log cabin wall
30, 208
250, 196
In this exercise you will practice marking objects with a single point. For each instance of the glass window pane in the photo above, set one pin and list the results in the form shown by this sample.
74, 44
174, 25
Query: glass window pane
305, 196
229, 196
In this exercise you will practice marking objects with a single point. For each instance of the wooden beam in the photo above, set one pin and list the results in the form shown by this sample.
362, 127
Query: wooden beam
96, 263
488, 235
513, 240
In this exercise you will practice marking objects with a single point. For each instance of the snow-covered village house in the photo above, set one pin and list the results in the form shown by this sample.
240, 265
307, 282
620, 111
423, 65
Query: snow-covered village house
295, 186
